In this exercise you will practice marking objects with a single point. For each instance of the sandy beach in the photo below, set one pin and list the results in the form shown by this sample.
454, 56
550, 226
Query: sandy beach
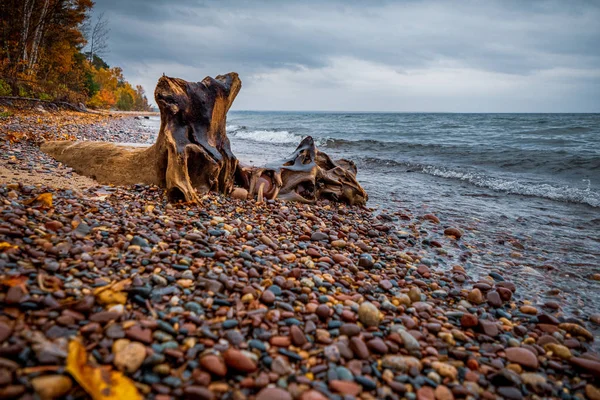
234, 299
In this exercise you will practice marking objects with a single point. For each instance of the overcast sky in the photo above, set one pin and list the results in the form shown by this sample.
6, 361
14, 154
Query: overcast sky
455, 56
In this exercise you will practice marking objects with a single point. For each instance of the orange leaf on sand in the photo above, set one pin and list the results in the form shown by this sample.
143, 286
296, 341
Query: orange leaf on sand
44, 200
100, 382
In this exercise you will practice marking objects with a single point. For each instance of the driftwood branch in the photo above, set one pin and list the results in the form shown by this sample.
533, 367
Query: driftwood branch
307, 175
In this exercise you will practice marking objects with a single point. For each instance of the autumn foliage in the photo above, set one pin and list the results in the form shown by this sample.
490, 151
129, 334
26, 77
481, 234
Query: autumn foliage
42, 55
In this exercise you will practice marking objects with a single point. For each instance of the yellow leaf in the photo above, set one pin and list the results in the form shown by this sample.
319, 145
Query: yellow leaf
6, 246
100, 382
44, 200
112, 294
109, 297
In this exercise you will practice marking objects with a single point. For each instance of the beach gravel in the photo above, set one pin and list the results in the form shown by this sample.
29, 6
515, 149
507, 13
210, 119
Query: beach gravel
234, 299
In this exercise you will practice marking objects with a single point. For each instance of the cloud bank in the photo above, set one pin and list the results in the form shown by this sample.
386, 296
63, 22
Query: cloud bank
463, 56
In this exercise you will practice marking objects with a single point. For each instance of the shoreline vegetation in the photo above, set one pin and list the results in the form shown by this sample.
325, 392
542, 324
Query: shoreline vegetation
52, 51
112, 292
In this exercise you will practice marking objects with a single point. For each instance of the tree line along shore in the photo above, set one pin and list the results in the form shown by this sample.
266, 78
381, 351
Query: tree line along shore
52, 50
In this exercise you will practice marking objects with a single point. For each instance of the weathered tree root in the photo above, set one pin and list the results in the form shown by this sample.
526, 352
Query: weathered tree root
192, 154
306, 176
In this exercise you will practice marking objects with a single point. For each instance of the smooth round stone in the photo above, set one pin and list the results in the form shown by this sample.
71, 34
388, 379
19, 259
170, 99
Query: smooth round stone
275, 289
496, 276
50, 387
522, 356
365, 260
318, 236
493, 299
359, 348
368, 314
128, 356
344, 374
366, 383
414, 294
469, 320
230, 323
268, 297
510, 393
193, 306
236, 360
272, 393
475, 297
349, 330
323, 311
257, 344
197, 393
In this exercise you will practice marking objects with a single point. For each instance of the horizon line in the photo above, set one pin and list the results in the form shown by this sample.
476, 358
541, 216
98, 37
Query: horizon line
422, 112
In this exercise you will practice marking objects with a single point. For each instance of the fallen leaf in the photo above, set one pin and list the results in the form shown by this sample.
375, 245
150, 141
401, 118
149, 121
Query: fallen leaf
112, 294
11, 281
100, 382
6, 246
43, 200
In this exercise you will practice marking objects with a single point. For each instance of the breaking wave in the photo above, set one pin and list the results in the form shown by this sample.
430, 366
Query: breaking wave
562, 193
268, 136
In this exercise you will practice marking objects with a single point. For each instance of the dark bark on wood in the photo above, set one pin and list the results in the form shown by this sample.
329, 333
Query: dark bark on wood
192, 152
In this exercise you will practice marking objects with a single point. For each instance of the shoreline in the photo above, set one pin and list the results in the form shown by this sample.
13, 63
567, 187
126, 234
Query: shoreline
267, 299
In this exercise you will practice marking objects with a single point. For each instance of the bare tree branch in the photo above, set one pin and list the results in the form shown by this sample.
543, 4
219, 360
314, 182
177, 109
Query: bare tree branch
98, 38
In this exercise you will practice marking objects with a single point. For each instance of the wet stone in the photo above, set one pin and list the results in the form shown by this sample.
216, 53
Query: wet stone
273, 394
213, 364
522, 356
368, 314
493, 299
349, 330
489, 328
298, 337
475, 297
365, 261
323, 311
469, 320
5, 331
510, 393
317, 236
236, 360
50, 387
359, 348
139, 241
197, 393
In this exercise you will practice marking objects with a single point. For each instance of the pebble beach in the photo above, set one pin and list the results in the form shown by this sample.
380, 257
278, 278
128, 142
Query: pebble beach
111, 292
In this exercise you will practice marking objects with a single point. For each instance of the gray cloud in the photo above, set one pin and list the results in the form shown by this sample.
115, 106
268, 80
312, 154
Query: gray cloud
370, 55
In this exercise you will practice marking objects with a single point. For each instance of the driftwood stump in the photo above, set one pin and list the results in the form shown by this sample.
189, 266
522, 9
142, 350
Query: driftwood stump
307, 175
191, 154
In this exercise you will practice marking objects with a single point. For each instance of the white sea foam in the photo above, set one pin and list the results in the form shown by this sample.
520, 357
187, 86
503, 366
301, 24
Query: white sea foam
268, 136
545, 190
